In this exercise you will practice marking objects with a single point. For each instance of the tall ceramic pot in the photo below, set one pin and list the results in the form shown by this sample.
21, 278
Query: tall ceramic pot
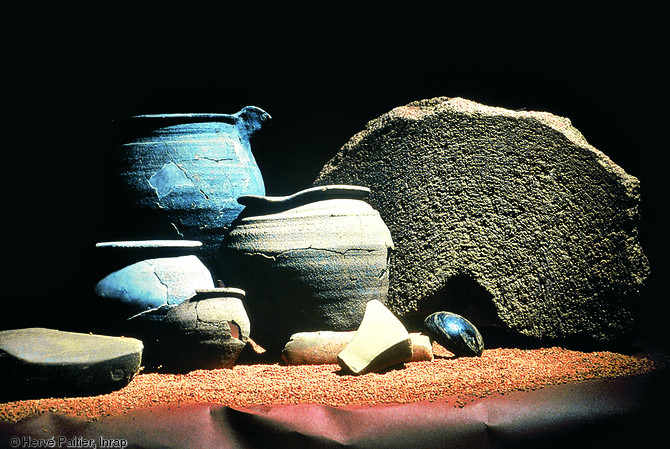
180, 174
310, 261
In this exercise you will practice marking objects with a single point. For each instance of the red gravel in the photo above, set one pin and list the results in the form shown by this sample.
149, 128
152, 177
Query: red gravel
448, 379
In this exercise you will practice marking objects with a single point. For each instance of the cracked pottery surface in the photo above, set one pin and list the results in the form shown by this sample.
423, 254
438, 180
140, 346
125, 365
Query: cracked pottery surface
308, 262
151, 283
183, 172
138, 275
209, 330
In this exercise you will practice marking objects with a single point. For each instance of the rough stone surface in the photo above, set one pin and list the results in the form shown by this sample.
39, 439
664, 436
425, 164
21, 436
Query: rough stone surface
37, 362
509, 218
322, 347
380, 342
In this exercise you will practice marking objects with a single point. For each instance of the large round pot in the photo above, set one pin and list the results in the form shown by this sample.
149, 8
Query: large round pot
308, 262
180, 174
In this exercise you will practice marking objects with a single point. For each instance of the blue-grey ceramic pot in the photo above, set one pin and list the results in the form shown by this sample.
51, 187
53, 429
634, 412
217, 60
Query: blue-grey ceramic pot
455, 334
144, 275
181, 174
308, 262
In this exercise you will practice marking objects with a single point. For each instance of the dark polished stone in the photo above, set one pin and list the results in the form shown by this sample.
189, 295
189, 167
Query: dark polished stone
455, 333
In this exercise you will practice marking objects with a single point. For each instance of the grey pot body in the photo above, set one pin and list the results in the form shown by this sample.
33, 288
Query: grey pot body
143, 275
307, 262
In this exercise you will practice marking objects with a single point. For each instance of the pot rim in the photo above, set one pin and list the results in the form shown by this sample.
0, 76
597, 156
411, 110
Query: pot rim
263, 203
202, 116
219, 292
183, 115
135, 126
149, 244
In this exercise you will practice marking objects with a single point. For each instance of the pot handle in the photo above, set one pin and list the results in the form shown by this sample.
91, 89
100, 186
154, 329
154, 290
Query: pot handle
249, 119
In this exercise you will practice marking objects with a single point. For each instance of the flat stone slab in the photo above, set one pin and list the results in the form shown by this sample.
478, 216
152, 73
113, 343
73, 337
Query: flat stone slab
380, 342
38, 362
323, 347
507, 218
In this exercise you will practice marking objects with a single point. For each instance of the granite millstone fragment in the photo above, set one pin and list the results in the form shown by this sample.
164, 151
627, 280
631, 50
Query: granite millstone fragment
455, 333
511, 217
323, 347
380, 342
39, 362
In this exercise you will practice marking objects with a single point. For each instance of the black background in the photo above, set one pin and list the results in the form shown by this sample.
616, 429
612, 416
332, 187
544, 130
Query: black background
322, 72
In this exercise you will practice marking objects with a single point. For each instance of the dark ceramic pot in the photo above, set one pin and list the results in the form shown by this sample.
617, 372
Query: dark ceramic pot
181, 174
308, 262
207, 331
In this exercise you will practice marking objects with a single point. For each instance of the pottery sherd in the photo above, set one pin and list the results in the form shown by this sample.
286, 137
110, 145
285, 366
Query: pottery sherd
380, 342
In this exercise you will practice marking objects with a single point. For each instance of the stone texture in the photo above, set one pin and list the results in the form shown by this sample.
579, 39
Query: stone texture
323, 347
380, 342
38, 362
509, 218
